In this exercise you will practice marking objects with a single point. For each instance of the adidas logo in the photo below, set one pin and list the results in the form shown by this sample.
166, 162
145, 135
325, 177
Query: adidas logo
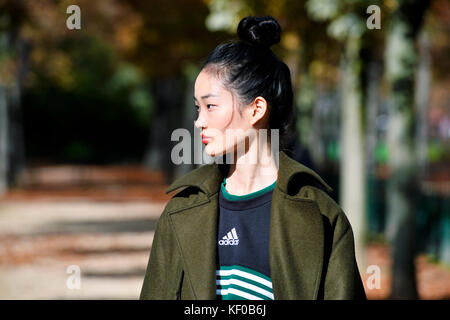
231, 239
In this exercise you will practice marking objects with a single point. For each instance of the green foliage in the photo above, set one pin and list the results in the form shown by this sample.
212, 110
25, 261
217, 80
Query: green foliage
141, 101
381, 153
79, 151
346, 26
100, 106
170, 34
323, 10
437, 152
129, 79
333, 151
225, 14
400, 47
347, 17
306, 95
125, 75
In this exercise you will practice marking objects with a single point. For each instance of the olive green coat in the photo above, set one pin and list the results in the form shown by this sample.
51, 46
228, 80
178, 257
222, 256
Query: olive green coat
311, 246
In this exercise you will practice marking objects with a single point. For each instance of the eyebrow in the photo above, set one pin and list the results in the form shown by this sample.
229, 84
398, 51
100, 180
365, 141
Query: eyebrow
207, 96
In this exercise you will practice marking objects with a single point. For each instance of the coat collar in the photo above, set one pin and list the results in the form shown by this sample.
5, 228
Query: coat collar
207, 178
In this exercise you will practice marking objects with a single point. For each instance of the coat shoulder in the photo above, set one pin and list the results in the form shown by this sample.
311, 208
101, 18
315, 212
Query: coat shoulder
182, 199
193, 178
328, 207
191, 188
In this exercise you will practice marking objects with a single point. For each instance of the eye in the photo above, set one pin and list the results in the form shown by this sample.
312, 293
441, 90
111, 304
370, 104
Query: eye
210, 105
197, 107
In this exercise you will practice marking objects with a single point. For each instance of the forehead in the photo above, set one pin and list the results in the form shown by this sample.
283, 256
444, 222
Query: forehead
207, 84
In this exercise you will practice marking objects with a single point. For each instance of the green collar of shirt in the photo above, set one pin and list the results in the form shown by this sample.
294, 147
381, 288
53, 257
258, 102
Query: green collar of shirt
251, 195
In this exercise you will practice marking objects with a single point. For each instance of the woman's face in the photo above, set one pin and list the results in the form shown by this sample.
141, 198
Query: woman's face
218, 116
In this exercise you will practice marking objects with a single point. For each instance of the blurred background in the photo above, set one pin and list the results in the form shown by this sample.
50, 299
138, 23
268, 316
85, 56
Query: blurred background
86, 116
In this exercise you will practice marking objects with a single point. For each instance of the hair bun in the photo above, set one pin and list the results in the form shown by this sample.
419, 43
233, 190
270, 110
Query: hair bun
264, 31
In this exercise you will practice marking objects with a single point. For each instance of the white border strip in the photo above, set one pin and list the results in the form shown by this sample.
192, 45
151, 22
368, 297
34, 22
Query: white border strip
236, 292
245, 275
245, 285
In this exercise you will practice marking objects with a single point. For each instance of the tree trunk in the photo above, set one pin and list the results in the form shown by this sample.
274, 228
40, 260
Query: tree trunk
372, 102
4, 140
15, 52
402, 189
168, 92
308, 117
352, 160
444, 254
17, 147
315, 138
422, 94
189, 116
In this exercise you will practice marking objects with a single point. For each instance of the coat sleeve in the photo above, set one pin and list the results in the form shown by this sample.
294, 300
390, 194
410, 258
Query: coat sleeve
155, 280
343, 280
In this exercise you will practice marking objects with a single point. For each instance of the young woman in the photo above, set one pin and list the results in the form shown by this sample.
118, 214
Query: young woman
264, 229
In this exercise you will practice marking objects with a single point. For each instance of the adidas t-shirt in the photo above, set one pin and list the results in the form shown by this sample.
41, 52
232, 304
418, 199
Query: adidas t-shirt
243, 271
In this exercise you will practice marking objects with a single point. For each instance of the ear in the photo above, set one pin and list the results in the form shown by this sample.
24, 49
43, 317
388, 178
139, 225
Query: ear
259, 109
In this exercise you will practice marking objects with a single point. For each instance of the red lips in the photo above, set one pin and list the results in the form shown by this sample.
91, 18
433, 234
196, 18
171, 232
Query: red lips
205, 140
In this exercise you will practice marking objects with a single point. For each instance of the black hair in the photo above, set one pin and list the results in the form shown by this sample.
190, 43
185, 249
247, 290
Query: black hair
250, 69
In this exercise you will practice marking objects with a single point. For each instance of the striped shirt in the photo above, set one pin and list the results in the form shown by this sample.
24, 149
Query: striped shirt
243, 271
240, 283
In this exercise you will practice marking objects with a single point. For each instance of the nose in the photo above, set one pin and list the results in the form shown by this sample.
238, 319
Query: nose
200, 122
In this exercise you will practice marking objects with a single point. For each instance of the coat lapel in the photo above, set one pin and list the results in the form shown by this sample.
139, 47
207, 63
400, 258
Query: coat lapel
296, 233
196, 231
195, 226
296, 247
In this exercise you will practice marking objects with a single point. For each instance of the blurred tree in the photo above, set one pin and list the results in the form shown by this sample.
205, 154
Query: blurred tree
145, 47
402, 185
348, 25
89, 65
438, 29
421, 98
14, 53
190, 73
100, 102
168, 39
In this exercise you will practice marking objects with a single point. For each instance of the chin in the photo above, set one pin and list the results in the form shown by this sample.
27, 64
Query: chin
210, 151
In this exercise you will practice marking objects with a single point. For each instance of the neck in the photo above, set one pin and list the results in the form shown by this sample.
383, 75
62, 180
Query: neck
246, 176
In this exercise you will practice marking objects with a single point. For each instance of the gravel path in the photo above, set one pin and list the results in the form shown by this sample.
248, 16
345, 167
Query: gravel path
109, 243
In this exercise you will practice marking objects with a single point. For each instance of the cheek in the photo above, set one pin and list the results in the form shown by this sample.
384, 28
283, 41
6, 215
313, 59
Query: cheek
221, 119
218, 122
